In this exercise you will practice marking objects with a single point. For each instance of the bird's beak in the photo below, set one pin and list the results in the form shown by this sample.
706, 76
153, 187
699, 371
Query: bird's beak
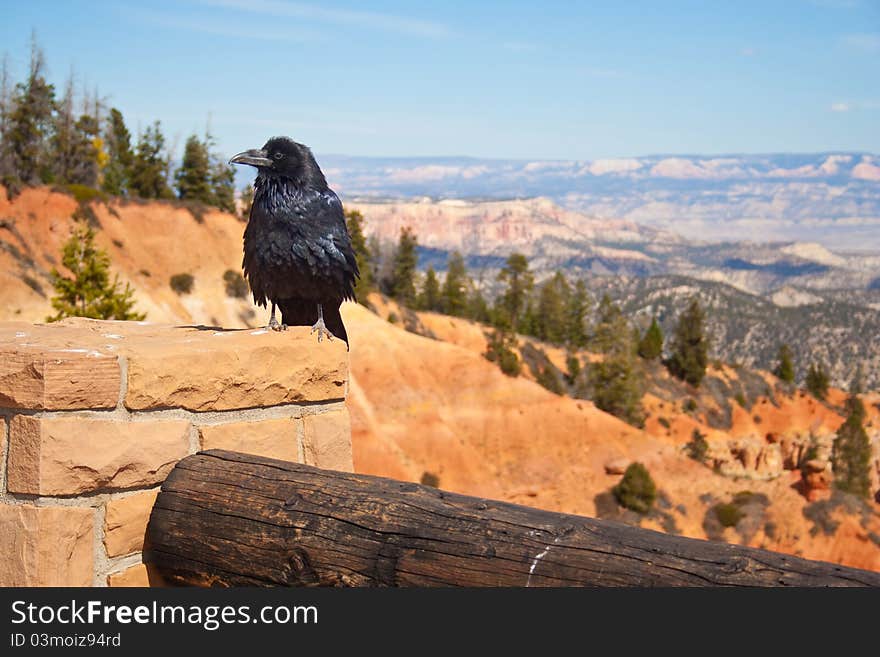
254, 157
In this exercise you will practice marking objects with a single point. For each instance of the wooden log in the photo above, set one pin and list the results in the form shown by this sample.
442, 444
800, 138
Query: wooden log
229, 519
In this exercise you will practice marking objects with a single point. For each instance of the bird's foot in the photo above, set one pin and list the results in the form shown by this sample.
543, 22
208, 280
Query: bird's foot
274, 325
322, 330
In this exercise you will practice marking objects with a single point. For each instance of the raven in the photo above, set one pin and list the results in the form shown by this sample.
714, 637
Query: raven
297, 250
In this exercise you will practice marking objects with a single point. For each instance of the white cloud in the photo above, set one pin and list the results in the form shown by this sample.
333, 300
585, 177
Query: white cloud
748, 52
840, 107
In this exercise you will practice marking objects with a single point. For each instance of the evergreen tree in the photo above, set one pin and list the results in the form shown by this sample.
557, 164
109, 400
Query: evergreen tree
454, 299
86, 156
223, 186
403, 278
616, 380
117, 174
148, 171
511, 306
89, 293
651, 344
30, 126
193, 178
63, 135
551, 318
785, 368
247, 200
817, 381
429, 298
477, 307
366, 283
609, 325
690, 347
851, 453
576, 314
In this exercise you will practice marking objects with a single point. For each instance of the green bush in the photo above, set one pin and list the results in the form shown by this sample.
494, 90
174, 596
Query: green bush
690, 405
392, 318
740, 399
728, 514
636, 491
698, 446
182, 283
85, 194
430, 479
236, 286
664, 422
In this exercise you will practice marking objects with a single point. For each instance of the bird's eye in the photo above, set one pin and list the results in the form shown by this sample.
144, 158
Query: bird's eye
278, 156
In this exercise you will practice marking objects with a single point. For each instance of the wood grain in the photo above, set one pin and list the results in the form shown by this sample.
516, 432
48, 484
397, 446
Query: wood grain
230, 519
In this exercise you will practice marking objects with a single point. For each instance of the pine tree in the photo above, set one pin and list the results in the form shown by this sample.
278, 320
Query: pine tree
690, 347
512, 304
609, 324
817, 381
247, 200
429, 297
30, 125
454, 299
785, 368
89, 293
651, 344
575, 316
550, 317
403, 278
851, 452
193, 178
148, 171
616, 380
477, 307
117, 174
366, 283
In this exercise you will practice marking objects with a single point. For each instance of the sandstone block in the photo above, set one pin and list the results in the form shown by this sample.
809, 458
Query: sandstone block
57, 379
327, 440
277, 439
46, 546
125, 522
66, 456
225, 370
139, 575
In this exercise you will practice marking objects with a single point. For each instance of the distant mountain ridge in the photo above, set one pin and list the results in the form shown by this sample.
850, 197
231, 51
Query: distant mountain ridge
832, 198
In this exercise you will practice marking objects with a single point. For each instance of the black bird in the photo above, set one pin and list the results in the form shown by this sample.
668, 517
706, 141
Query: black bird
297, 250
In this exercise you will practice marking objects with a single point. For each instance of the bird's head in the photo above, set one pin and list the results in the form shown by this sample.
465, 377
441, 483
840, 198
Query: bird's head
281, 156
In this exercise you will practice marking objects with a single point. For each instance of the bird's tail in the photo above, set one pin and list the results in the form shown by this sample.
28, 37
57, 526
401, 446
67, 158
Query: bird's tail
304, 312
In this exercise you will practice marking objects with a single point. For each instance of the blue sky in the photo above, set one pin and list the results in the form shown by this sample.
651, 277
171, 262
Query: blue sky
536, 80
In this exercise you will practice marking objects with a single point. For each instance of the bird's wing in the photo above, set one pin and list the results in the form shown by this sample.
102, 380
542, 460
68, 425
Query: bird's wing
325, 243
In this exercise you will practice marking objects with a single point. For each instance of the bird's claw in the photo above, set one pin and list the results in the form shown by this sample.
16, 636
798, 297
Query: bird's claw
321, 328
274, 325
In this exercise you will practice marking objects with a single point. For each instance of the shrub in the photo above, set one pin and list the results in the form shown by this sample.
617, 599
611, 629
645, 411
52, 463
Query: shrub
430, 479
236, 286
85, 194
392, 318
664, 422
690, 405
698, 446
182, 283
636, 491
817, 381
728, 514
740, 399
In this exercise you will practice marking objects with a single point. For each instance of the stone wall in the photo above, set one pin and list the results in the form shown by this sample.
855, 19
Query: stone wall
94, 415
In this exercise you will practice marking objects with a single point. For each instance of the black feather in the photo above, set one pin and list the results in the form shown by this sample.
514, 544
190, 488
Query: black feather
297, 250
